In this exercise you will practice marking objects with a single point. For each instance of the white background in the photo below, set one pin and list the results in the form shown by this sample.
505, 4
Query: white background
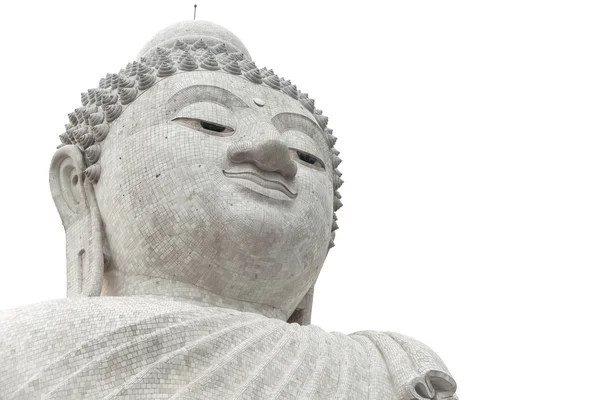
470, 137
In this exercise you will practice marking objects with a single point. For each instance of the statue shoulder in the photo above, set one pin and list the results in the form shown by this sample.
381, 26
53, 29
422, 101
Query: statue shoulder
108, 347
54, 346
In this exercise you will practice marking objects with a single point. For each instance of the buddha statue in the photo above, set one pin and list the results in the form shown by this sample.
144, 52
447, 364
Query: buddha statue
198, 194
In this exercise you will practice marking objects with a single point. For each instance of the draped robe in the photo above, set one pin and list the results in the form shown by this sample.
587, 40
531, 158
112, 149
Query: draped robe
156, 348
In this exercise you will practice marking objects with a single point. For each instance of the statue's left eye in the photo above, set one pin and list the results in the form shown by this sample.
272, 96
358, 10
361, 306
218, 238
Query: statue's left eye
202, 125
310, 159
306, 157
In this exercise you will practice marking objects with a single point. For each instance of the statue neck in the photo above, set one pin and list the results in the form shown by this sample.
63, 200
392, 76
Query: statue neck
116, 284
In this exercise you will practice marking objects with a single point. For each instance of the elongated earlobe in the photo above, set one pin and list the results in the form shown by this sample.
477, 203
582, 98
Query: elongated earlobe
75, 200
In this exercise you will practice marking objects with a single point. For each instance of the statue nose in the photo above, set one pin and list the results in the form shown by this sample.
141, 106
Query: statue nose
269, 155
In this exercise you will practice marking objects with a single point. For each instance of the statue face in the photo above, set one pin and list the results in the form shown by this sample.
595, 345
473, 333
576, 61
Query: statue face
215, 183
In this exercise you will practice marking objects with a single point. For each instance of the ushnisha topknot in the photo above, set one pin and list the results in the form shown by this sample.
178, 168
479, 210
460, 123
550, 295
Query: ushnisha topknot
90, 124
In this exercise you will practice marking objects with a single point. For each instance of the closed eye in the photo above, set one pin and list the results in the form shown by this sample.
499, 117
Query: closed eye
212, 128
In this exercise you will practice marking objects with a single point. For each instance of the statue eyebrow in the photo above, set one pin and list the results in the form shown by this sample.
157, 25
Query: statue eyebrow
199, 93
286, 121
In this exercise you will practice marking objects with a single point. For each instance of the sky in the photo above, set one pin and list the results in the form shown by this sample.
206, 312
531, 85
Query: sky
470, 137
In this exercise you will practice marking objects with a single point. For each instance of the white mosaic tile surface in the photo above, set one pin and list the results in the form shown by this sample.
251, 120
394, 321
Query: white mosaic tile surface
198, 196
154, 348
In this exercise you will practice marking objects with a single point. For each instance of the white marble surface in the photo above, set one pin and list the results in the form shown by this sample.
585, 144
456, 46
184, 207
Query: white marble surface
154, 348
198, 178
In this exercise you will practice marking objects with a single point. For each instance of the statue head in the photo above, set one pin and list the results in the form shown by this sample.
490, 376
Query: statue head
193, 173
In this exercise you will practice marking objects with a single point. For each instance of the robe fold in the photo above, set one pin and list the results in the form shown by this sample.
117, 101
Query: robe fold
156, 348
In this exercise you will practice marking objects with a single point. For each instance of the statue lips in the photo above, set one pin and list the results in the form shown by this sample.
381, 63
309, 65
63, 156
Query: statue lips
272, 186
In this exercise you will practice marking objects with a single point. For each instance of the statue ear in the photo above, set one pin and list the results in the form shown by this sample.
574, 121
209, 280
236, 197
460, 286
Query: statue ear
75, 200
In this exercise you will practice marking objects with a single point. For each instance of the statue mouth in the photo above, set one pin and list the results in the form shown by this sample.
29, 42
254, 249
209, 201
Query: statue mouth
267, 187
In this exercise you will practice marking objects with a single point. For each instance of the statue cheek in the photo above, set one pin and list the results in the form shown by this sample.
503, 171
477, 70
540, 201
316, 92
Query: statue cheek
320, 192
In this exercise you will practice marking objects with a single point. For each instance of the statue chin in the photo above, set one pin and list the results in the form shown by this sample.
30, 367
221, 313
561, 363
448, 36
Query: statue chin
246, 266
198, 195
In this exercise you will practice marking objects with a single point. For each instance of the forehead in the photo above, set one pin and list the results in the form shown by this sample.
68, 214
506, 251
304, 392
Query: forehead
232, 91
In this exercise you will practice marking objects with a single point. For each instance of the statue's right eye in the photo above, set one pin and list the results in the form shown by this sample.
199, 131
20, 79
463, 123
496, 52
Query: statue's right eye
212, 128
207, 117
